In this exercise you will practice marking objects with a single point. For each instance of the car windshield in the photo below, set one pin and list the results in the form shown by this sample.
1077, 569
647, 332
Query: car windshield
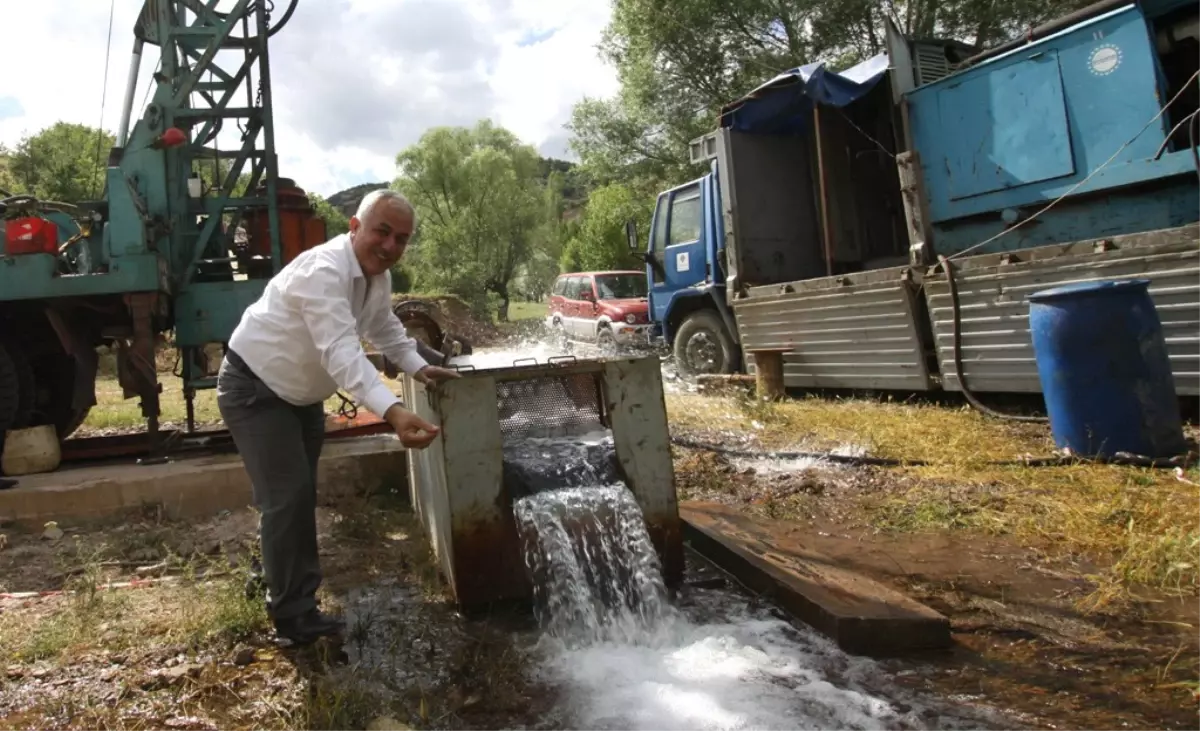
621, 286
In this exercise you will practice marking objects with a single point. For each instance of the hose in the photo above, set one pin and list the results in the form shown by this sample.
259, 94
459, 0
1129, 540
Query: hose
957, 347
1128, 460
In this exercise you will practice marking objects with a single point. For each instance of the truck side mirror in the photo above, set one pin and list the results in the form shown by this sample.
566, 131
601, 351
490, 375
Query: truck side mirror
631, 235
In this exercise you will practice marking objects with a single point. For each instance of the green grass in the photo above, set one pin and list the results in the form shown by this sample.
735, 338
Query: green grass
526, 311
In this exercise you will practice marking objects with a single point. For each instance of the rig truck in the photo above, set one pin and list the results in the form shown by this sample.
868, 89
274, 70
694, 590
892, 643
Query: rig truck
884, 225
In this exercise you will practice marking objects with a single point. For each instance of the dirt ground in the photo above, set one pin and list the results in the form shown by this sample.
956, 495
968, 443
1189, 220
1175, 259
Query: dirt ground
186, 648
1035, 631
1072, 592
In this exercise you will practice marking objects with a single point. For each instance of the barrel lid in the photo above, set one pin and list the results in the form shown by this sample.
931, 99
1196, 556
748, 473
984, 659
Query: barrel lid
1111, 286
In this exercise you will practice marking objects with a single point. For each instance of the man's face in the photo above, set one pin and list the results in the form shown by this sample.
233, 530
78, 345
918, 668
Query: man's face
380, 238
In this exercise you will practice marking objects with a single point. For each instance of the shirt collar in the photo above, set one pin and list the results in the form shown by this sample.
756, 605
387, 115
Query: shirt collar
356, 271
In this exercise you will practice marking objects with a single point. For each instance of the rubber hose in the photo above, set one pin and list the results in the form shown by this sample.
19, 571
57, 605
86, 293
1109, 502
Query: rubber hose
957, 347
1123, 460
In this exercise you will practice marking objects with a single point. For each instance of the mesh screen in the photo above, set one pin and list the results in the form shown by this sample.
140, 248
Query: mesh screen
547, 405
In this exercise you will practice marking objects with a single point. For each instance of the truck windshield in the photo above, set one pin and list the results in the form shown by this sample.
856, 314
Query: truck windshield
621, 286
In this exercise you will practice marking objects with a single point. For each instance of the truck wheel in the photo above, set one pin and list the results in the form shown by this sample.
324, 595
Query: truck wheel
703, 346
26, 391
10, 395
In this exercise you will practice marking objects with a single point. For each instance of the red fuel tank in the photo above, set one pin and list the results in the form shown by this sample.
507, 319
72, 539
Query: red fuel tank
30, 235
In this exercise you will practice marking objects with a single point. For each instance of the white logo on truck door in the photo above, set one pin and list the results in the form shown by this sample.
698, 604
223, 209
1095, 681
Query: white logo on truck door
681, 262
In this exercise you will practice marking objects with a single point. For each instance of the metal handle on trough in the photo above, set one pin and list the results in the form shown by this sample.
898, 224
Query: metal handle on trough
561, 359
519, 361
460, 367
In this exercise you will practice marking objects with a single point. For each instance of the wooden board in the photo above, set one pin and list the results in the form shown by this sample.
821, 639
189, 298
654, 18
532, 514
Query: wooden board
861, 615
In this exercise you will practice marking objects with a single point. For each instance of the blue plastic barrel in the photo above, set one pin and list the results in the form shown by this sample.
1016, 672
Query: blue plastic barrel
1105, 375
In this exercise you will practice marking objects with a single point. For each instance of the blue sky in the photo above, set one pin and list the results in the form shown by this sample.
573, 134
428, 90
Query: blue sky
355, 81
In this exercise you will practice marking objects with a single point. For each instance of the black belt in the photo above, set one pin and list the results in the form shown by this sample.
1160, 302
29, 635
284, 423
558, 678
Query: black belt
236, 361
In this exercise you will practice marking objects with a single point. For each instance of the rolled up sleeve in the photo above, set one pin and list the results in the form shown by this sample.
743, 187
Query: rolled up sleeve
317, 291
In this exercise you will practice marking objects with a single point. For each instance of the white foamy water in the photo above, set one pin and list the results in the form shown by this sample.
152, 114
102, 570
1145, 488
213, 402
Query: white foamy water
625, 657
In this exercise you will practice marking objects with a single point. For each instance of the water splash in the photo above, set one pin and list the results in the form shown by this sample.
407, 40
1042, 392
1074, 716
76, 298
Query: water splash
596, 575
624, 656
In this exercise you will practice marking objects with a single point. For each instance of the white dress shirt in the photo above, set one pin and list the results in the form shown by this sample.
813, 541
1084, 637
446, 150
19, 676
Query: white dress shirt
302, 337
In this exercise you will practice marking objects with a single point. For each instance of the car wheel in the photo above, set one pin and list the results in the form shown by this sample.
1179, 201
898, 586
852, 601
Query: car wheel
607, 343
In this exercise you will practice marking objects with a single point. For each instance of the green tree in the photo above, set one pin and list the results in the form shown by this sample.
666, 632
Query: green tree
336, 222
480, 200
600, 242
64, 162
679, 62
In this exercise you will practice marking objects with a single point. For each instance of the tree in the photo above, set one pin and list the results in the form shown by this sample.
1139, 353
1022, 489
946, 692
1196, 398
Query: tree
679, 62
600, 242
336, 222
64, 162
480, 200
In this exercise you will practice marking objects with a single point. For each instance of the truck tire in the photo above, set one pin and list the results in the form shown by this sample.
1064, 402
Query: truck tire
703, 346
26, 387
10, 396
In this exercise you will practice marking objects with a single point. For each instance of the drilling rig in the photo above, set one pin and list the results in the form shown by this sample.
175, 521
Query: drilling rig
162, 250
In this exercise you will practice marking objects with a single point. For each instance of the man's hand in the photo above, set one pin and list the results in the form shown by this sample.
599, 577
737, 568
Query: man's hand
414, 432
433, 375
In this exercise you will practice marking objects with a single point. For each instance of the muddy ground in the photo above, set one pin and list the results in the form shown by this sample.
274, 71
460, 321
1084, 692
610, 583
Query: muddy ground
185, 647
1029, 635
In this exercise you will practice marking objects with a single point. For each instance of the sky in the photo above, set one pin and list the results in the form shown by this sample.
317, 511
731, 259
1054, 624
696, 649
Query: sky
354, 81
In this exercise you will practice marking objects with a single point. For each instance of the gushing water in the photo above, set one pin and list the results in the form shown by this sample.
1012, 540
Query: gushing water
596, 574
624, 656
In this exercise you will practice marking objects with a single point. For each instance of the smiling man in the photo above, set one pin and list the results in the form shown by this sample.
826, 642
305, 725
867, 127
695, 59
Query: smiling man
294, 348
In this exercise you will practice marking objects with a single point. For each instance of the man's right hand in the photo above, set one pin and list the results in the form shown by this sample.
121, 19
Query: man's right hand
414, 432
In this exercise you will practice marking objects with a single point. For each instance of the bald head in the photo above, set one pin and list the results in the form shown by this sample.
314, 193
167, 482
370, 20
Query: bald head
380, 230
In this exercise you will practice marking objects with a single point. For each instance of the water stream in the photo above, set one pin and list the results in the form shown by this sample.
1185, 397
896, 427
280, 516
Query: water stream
625, 656
619, 651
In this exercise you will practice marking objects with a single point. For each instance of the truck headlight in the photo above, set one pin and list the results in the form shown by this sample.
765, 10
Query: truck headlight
630, 318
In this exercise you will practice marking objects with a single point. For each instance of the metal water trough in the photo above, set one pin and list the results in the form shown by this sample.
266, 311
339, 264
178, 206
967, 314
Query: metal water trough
457, 483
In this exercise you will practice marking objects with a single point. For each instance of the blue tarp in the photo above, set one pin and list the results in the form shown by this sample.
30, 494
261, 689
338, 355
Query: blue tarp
784, 104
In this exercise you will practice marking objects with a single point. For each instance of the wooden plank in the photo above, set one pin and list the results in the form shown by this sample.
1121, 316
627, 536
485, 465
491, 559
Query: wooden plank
861, 615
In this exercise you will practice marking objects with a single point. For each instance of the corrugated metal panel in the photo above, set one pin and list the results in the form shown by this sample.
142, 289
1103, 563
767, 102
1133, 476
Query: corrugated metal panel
997, 351
857, 331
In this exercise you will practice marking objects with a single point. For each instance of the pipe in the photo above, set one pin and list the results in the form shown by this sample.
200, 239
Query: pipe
130, 88
1128, 460
1046, 29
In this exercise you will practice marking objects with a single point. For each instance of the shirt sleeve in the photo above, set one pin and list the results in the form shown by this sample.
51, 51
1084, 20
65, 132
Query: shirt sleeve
386, 332
320, 297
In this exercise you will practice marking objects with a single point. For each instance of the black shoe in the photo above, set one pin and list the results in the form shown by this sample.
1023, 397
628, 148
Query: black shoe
308, 627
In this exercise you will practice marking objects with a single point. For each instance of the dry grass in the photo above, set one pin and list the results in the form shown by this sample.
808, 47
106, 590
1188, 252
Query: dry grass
113, 412
1143, 524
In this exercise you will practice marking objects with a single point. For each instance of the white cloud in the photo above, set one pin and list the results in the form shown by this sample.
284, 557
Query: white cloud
354, 81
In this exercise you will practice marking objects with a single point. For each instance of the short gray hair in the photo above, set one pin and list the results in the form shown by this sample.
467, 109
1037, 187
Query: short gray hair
384, 194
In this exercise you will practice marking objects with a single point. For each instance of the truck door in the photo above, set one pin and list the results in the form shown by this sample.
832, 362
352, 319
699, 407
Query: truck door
677, 245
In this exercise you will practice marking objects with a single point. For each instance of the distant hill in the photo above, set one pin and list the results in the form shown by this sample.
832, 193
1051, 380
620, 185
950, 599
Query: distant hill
347, 200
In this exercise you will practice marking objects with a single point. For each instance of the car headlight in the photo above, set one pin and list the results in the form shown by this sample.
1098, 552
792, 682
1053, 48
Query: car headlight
630, 318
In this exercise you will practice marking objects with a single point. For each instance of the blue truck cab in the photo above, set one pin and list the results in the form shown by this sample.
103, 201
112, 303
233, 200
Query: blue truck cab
685, 271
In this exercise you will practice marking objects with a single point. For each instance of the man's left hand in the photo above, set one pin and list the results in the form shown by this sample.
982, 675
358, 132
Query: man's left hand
433, 375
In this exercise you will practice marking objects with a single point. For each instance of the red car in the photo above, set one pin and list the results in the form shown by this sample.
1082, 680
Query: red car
607, 309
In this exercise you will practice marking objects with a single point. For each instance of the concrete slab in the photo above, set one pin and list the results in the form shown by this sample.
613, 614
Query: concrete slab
192, 486
861, 615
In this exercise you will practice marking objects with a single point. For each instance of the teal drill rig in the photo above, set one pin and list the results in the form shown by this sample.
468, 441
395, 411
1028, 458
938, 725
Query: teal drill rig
162, 250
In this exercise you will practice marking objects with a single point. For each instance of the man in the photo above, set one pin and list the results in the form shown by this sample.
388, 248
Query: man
293, 349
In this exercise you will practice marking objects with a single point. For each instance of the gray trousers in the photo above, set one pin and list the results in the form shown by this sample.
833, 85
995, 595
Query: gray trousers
279, 444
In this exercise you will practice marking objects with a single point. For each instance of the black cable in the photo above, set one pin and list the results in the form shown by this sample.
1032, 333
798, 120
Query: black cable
1119, 459
957, 347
